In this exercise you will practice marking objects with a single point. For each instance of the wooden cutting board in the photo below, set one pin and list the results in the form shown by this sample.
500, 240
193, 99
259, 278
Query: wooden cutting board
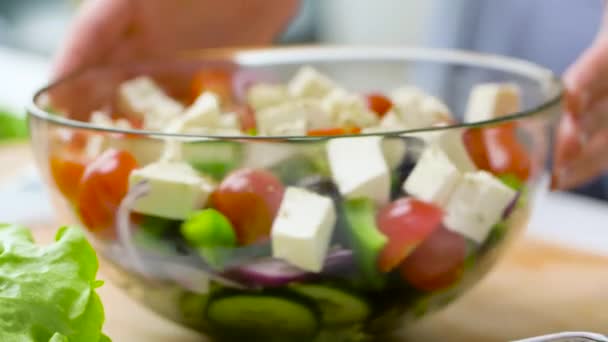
537, 288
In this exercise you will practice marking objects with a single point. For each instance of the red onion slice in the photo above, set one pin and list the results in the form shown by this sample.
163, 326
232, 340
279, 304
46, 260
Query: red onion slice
189, 277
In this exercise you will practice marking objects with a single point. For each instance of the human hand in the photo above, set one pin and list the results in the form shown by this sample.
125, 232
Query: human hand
582, 140
107, 31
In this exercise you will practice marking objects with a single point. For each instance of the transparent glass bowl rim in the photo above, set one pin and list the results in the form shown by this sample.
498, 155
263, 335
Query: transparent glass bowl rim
259, 57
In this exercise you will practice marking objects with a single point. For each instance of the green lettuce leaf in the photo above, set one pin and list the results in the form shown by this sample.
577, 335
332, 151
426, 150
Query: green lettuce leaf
12, 126
47, 293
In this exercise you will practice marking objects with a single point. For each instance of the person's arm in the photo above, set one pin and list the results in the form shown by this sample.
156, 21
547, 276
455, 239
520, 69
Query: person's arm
119, 30
582, 145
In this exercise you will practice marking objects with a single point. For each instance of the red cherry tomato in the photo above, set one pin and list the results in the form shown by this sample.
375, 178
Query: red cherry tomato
406, 222
247, 117
379, 103
497, 150
250, 199
323, 132
103, 185
218, 81
66, 172
437, 263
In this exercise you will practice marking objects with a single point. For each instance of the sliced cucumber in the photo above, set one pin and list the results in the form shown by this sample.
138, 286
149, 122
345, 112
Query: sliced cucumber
213, 158
263, 317
337, 307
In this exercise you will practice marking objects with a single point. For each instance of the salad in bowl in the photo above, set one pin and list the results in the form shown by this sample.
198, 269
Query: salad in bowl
298, 194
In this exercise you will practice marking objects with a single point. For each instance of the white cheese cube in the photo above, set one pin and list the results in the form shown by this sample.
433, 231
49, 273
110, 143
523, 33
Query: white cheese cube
477, 204
491, 100
428, 137
102, 119
416, 109
359, 168
302, 230
176, 190
263, 95
452, 143
392, 122
229, 121
143, 98
308, 82
393, 147
434, 177
203, 113
348, 110
264, 155
286, 119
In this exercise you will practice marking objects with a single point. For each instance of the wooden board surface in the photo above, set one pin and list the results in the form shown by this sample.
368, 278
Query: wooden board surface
537, 288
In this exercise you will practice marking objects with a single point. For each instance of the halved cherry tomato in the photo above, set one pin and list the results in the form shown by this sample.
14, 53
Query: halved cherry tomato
218, 81
497, 150
250, 198
406, 222
102, 187
437, 262
379, 103
323, 132
66, 171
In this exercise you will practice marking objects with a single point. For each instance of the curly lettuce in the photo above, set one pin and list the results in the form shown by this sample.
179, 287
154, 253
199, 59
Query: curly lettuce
47, 293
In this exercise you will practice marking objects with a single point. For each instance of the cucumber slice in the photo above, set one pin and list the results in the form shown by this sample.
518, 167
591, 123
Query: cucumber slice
213, 158
263, 317
337, 307
366, 240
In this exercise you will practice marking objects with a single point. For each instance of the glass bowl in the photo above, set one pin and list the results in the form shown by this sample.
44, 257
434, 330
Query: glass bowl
362, 275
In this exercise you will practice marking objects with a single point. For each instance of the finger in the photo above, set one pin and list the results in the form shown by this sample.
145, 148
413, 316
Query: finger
591, 163
568, 144
95, 32
584, 80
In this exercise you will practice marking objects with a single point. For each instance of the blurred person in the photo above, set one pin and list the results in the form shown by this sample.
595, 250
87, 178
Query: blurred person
107, 31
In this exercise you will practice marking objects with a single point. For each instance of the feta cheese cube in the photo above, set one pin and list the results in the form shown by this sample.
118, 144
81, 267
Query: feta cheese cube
102, 119
265, 155
477, 204
416, 109
143, 98
428, 137
285, 119
263, 95
392, 122
452, 143
359, 168
176, 190
491, 100
393, 147
302, 230
229, 121
348, 110
308, 82
434, 177
203, 113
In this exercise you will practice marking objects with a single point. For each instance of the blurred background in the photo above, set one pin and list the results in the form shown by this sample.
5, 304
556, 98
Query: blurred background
549, 32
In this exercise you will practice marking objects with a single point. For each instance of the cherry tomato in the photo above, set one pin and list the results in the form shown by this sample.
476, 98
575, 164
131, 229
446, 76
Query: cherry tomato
437, 262
497, 150
322, 132
103, 185
66, 172
406, 222
379, 103
250, 198
246, 116
218, 81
